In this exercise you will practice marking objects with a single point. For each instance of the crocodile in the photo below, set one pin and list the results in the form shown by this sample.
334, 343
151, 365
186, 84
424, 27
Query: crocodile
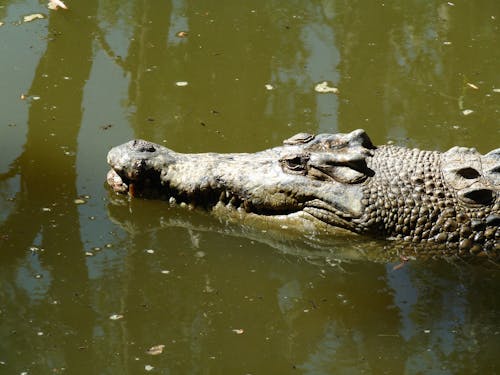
448, 201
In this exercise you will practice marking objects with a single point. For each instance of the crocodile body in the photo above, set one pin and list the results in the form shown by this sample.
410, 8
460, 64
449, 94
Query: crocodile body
448, 201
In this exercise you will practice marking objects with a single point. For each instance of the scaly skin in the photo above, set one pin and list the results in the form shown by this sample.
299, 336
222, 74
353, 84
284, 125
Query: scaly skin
448, 201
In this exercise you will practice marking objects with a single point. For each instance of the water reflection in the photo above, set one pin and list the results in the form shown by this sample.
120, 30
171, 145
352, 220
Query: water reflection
224, 298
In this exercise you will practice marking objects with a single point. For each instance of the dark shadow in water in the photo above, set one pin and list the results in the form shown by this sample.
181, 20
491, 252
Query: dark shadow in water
394, 312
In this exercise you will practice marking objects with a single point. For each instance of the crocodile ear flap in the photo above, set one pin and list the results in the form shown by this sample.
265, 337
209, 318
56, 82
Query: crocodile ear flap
345, 167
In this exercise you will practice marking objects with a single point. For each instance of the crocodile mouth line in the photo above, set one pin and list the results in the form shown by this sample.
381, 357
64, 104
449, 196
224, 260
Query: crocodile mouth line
330, 215
150, 186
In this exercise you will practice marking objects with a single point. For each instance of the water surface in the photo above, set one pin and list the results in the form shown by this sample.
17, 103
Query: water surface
90, 281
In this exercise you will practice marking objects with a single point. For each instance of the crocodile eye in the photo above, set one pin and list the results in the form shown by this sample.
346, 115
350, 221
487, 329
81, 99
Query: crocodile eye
295, 163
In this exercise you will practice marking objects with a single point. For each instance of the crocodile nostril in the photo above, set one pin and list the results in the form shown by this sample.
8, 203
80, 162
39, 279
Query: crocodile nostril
143, 146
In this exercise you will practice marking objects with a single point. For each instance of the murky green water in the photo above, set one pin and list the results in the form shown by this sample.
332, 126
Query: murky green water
89, 288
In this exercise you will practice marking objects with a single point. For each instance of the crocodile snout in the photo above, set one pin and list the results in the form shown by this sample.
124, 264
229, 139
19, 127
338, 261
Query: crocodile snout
140, 145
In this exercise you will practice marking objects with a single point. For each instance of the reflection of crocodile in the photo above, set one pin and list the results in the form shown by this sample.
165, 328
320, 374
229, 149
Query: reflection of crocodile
446, 200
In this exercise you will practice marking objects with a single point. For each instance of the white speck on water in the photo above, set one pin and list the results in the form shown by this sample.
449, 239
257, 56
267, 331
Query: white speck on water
324, 88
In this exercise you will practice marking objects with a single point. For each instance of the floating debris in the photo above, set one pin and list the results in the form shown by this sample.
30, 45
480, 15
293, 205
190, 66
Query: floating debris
155, 350
33, 17
116, 317
238, 331
323, 88
496, 90
181, 34
148, 367
472, 86
467, 112
55, 4
150, 251
181, 83
269, 87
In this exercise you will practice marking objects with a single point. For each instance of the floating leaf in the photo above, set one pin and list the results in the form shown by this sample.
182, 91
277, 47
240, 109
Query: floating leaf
269, 87
472, 86
155, 350
148, 367
238, 331
467, 112
182, 34
323, 88
54, 4
33, 17
181, 83
116, 317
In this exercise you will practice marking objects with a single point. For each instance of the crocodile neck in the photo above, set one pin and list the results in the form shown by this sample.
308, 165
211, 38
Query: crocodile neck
408, 199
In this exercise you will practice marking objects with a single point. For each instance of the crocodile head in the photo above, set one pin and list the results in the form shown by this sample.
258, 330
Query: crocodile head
309, 178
